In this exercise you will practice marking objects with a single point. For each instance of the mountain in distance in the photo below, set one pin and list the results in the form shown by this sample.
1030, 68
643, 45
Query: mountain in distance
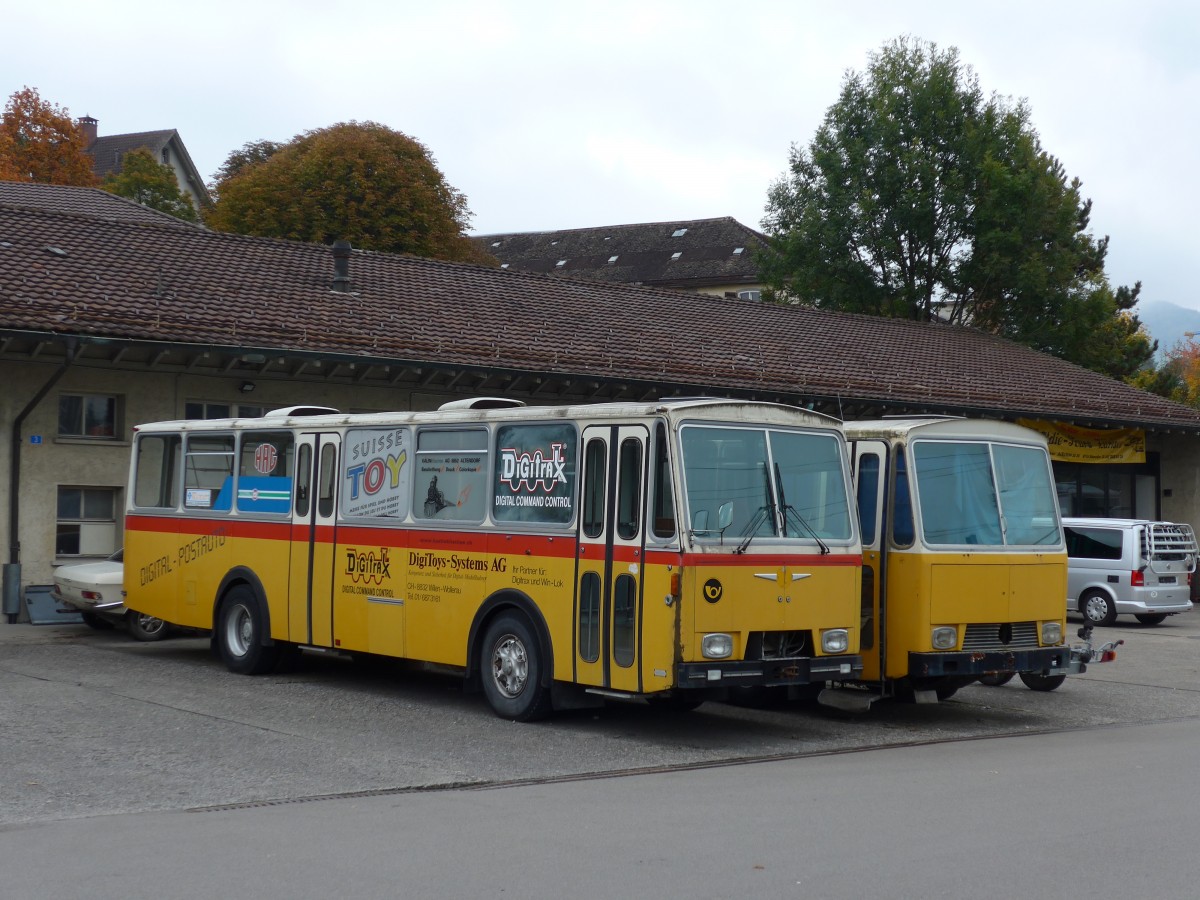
1167, 322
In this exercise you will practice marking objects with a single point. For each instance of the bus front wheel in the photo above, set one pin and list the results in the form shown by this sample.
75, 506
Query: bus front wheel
239, 635
511, 670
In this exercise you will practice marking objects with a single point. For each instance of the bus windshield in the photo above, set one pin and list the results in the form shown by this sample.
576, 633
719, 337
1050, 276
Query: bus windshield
745, 482
976, 493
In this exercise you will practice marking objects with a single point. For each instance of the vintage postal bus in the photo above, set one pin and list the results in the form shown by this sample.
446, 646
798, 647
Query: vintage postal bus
964, 562
555, 555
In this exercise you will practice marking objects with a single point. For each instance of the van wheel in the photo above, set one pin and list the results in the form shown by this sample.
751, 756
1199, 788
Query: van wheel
510, 666
1151, 618
240, 632
1098, 608
1035, 681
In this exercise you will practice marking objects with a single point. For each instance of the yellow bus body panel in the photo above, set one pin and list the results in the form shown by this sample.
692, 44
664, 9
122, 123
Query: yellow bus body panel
925, 590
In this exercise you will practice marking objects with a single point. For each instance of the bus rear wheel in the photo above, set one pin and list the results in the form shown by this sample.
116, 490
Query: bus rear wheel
239, 635
510, 667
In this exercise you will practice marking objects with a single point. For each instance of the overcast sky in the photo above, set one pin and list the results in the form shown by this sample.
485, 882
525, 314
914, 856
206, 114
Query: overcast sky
551, 115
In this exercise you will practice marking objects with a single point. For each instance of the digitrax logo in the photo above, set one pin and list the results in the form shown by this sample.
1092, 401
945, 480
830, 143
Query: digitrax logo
367, 565
713, 590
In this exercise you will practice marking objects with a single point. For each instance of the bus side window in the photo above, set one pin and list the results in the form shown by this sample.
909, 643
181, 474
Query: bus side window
593, 488
157, 481
326, 480
903, 530
868, 496
664, 504
303, 478
629, 489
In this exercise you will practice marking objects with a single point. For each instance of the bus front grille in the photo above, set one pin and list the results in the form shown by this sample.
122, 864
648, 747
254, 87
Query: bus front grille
1000, 636
778, 644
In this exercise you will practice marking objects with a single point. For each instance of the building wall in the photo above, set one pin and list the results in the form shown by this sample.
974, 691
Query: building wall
48, 461
1179, 481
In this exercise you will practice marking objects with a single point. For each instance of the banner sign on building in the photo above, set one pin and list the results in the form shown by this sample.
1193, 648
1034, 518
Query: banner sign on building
1073, 443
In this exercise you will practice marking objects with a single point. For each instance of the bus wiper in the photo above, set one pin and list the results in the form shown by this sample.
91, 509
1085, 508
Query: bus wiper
790, 511
751, 530
760, 516
790, 514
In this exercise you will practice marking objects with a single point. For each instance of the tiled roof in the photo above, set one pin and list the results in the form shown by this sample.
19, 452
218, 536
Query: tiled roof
73, 275
107, 151
696, 252
92, 202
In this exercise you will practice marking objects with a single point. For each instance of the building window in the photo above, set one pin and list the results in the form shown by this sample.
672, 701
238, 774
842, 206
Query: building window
87, 524
88, 416
749, 295
679, 232
203, 409
676, 254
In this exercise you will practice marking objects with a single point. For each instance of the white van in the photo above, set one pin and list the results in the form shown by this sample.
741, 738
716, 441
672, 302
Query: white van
1128, 567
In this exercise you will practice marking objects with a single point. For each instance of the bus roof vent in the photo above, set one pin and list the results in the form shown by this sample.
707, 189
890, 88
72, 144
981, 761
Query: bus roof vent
482, 403
286, 411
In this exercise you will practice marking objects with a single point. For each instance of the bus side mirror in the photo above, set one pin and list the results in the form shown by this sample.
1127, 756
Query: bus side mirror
724, 516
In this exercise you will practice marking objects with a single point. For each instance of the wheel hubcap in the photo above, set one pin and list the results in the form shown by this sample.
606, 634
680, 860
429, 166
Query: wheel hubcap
240, 631
510, 666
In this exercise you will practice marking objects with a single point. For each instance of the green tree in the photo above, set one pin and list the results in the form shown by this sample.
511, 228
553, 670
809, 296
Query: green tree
919, 197
40, 142
362, 182
146, 181
247, 155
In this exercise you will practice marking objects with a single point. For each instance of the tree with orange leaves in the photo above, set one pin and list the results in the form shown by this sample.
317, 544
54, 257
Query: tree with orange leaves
40, 142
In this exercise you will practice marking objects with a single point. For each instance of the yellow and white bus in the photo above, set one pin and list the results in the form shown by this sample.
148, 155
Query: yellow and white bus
666, 550
964, 563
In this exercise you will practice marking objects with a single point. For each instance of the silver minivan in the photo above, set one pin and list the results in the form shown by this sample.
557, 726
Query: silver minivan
1132, 567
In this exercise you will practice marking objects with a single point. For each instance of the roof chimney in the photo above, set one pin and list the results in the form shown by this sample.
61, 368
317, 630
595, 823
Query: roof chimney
88, 127
341, 266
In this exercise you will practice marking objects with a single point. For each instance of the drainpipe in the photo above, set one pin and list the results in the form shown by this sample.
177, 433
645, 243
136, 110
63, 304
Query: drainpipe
12, 569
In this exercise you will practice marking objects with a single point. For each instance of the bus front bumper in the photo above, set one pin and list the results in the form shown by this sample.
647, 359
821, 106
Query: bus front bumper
767, 672
1045, 660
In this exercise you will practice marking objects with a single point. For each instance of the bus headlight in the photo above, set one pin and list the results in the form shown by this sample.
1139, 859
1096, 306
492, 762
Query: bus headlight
945, 638
1051, 633
835, 640
716, 646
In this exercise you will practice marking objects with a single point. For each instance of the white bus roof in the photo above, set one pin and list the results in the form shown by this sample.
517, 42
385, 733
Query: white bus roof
318, 417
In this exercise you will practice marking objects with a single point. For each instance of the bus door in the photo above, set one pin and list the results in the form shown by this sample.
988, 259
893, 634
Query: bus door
314, 510
870, 467
609, 567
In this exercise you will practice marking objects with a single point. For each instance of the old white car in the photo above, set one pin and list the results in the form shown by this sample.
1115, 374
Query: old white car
95, 589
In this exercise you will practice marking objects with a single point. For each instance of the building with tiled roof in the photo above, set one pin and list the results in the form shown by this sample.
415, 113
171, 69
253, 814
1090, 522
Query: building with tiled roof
165, 146
107, 321
91, 202
711, 256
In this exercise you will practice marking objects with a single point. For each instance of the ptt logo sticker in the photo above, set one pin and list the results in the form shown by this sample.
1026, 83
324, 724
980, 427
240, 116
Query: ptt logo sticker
713, 590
